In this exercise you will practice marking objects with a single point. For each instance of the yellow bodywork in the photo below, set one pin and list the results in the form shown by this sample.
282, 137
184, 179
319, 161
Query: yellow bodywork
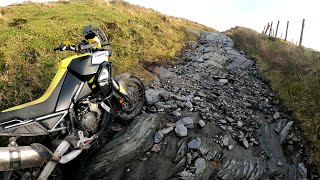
122, 90
61, 71
95, 40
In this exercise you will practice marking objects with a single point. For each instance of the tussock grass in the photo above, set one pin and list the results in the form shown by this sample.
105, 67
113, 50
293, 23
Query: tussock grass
294, 73
30, 31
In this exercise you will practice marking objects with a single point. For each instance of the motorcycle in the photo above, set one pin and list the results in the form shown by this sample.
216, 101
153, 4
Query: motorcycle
75, 111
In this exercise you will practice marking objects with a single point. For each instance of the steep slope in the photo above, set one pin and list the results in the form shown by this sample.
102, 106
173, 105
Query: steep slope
28, 33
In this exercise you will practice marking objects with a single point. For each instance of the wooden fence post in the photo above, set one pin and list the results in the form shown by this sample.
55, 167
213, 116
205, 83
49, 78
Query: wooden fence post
267, 29
277, 28
286, 31
270, 29
301, 32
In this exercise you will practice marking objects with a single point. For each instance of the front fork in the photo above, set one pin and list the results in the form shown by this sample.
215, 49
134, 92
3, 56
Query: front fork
120, 90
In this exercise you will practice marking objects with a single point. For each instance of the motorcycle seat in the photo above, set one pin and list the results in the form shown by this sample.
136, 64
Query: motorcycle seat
43, 106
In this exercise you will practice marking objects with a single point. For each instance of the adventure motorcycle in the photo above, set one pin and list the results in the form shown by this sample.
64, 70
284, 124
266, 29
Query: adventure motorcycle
74, 112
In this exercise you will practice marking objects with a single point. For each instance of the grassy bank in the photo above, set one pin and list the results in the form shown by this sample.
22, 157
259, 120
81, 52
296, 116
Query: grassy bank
28, 33
294, 73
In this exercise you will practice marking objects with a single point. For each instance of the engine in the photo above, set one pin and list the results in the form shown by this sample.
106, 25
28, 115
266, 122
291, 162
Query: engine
89, 115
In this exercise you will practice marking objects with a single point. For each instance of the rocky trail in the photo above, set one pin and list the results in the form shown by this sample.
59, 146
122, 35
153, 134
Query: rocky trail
210, 116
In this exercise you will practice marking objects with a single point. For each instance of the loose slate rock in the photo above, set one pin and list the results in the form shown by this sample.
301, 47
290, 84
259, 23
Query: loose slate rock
181, 130
285, 131
200, 165
240, 123
276, 115
230, 119
186, 121
158, 137
155, 148
152, 96
194, 144
245, 143
166, 130
223, 81
225, 141
201, 123
188, 105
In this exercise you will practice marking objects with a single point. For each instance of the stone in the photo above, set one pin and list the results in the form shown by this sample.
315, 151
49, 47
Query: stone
223, 81
245, 143
208, 49
225, 140
194, 144
181, 130
175, 89
203, 150
186, 121
201, 123
230, 147
279, 163
202, 94
200, 59
158, 137
229, 119
189, 158
163, 72
223, 128
152, 96
182, 98
188, 105
284, 132
240, 123
302, 170
197, 98
171, 124
276, 115
166, 130
194, 155
153, 109
186, 175
216, 115
176, 113
155, 148
223, 121
165, 96
200, 165
280, 125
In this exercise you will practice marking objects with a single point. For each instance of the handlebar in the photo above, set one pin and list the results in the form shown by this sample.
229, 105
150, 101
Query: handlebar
78, 48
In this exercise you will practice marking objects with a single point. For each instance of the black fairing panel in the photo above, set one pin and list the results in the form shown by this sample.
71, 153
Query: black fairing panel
85, 91
82, 68
34, 111
70, 86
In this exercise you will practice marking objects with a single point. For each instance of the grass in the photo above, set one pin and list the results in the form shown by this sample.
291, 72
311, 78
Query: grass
294, 73
30, 31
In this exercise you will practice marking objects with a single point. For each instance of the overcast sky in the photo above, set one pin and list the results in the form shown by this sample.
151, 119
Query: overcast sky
255, 14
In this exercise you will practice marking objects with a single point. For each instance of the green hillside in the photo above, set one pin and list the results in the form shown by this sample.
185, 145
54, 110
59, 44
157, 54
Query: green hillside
294, 73
29, 32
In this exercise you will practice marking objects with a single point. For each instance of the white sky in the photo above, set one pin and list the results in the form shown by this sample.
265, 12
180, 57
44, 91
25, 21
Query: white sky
254, 14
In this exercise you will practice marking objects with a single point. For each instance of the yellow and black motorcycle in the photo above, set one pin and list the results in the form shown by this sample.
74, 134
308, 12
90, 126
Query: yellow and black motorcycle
74, 112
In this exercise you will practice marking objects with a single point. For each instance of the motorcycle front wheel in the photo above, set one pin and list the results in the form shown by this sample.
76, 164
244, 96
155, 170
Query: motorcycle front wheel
135, 90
